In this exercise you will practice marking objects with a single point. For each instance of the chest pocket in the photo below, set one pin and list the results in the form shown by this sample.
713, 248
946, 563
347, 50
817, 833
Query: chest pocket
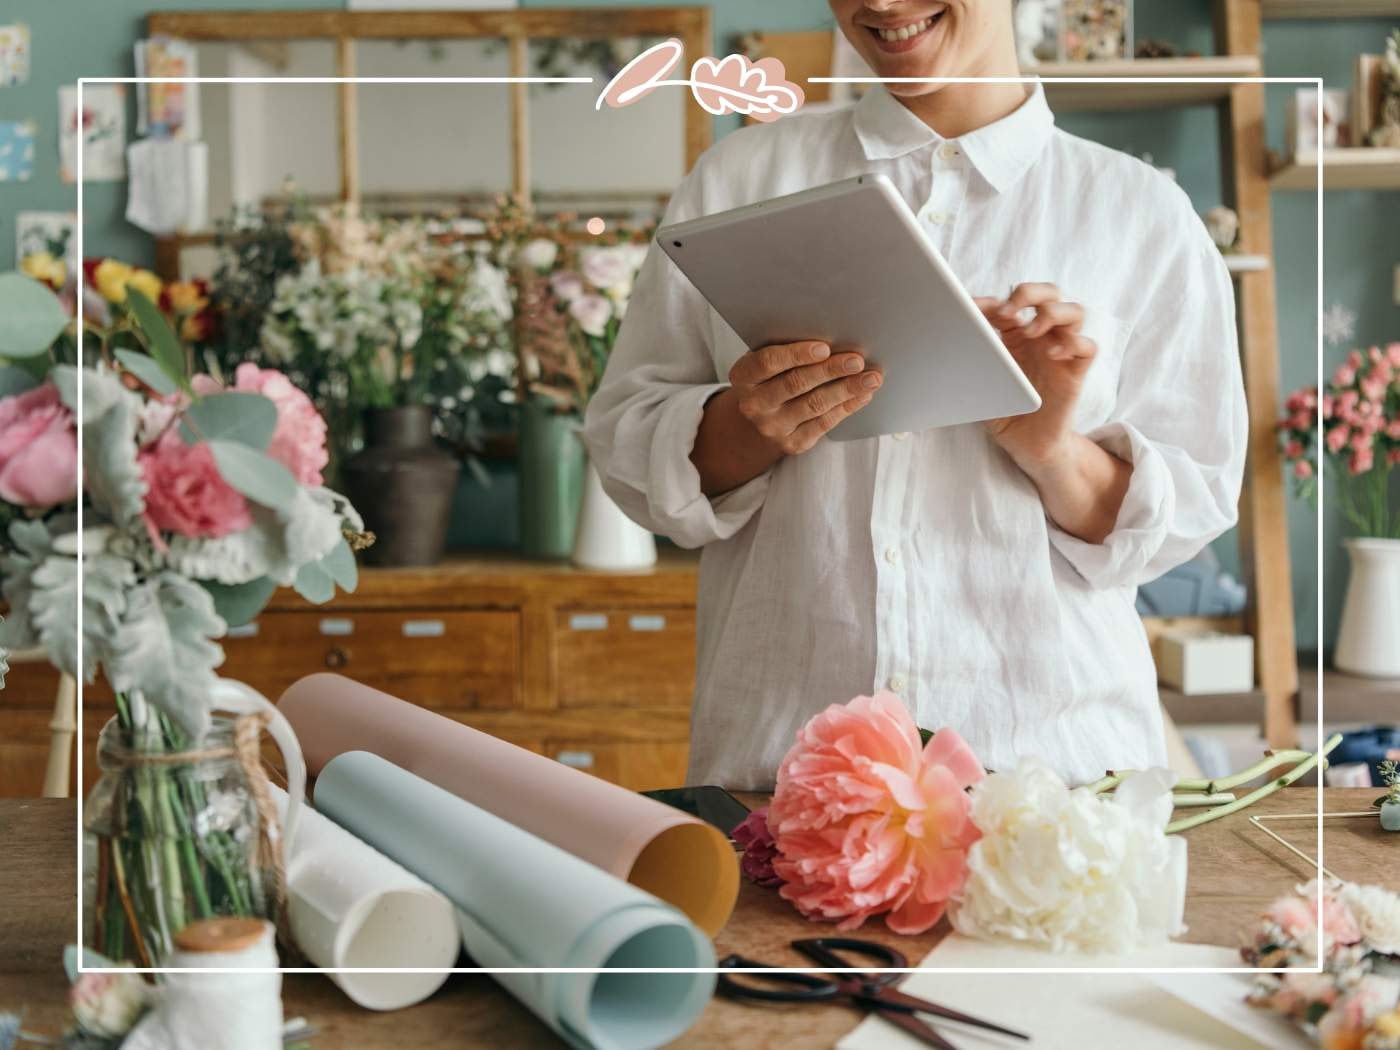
1100, 391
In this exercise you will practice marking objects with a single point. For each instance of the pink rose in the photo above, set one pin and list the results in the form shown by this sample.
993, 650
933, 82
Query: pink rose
1392, 457
38, 449
185, 493
1337, 438
1293, 450
1302, 470
867, 821
1392, 354
759, 849
299, 442
1362, 460
1344, 376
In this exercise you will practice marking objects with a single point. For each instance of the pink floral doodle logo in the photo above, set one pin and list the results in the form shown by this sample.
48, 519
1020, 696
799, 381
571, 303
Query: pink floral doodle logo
732, 84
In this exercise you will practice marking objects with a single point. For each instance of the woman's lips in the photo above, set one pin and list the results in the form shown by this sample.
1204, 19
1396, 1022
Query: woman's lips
906, 37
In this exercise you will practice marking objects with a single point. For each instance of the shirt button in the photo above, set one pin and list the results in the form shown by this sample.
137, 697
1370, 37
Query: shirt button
900, 435
938, 218
892, 555
948, 151
897, 683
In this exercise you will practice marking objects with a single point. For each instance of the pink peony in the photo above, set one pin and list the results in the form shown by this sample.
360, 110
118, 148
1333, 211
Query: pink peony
759, 849
868, 822
299, 442
38, 449
185, 492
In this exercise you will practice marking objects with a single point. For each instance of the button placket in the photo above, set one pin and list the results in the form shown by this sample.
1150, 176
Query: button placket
886, 530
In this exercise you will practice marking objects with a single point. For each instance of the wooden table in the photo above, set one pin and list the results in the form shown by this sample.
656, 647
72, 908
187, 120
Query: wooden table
1234, 872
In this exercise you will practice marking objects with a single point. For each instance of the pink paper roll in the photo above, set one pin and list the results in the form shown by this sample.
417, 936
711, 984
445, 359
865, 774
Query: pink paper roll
670, 854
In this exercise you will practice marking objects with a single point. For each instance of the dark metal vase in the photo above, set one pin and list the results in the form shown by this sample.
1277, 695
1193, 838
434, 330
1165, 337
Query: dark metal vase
402, 483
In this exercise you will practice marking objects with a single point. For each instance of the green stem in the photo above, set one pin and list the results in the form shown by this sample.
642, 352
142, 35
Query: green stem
1194, 799
1254, 796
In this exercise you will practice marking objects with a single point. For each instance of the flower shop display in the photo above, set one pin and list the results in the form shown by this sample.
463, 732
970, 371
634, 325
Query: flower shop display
388, 327
571, 298
1354, 1002
199, 498
1355, 422
872, 816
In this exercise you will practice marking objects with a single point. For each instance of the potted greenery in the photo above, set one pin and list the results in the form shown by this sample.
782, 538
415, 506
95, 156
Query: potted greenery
392, 328
1389, 803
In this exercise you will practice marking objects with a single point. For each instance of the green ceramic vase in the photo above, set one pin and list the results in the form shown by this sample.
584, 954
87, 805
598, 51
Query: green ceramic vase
551, 480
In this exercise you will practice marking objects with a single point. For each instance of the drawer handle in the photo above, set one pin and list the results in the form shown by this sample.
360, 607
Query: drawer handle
588, 622
337, 658
332, 627
576, 759
243, 630
647, 623
424, 628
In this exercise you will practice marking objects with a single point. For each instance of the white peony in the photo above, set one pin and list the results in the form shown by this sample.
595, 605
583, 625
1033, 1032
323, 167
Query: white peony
1377, 913
1069, 871
106, 1005
607, 268
592, 313
540, 253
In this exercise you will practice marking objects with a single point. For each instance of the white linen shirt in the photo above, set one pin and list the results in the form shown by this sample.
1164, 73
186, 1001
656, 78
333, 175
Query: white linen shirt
925, 563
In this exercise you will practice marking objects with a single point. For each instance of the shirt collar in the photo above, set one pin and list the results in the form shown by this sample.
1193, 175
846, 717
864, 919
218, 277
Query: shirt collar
1001, 152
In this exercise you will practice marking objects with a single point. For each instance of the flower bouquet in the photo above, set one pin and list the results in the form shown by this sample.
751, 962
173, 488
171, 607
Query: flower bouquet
199, 497
1355, 421
1354, 1002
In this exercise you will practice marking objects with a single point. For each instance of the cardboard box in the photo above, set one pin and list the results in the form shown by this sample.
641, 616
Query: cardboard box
1201, 662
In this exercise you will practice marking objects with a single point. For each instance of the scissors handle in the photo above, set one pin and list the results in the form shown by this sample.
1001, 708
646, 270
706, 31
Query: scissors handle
824, 950
793, 987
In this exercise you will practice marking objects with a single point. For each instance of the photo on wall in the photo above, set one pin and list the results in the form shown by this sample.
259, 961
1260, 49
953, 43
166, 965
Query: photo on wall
16, 150
103, 123
14, 54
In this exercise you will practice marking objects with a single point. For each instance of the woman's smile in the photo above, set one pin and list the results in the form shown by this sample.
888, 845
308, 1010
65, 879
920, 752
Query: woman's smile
899, 37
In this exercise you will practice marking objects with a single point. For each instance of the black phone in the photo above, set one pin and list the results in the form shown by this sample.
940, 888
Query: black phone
711, 804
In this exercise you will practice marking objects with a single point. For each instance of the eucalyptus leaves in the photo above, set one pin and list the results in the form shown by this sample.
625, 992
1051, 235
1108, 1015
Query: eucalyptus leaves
200, 497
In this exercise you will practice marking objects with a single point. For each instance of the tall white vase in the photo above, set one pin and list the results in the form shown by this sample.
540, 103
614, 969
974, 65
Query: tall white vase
607, 538
1369, 640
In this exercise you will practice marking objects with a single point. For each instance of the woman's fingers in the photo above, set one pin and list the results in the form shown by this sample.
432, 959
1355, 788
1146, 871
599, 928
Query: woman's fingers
817, 402
812, 431
761, 365
1055, 314
782, 388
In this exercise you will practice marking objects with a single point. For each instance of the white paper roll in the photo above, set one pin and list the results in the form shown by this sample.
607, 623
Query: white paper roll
349, 905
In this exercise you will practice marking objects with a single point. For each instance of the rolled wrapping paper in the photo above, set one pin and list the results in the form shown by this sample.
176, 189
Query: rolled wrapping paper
348, 905
525, 903
670, 854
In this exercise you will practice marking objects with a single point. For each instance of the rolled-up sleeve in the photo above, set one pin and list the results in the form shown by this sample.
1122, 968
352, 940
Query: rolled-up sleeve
1180, 420
641, 424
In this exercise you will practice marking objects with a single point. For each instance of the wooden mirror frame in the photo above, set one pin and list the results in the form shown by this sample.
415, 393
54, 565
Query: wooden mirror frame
690, 24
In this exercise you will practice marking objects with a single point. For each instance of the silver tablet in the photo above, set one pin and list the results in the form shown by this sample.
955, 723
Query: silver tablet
847, 264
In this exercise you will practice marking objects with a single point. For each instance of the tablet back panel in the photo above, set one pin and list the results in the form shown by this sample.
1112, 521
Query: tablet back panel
847, 264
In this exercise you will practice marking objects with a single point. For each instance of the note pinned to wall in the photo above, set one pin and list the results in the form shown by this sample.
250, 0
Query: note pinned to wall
54, 232
167, 110
16, 150
103, 124
14, 54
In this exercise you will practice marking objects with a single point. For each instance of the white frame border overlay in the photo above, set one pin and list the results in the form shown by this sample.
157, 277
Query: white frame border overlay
1313, 81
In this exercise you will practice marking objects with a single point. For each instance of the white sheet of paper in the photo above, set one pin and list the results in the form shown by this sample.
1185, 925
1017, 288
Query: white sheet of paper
1078, 1011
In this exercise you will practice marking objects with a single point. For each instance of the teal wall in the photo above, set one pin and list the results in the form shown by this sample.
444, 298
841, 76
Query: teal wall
1361, 246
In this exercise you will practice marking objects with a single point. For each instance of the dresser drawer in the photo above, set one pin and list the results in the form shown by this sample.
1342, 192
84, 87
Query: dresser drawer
625, 657
636, 765
459, 659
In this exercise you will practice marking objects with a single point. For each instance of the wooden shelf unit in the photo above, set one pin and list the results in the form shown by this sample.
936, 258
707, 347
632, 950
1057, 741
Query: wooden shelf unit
1117, 85
1239, 263
1281, 10
1354, 168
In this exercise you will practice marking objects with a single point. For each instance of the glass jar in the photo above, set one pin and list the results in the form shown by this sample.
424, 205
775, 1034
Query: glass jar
172, 835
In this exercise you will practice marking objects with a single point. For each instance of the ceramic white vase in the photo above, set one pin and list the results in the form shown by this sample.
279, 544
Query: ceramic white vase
607, 538
1369, 640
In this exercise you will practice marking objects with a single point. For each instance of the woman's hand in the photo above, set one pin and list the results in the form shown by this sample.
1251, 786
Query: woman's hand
1080, 483
782, 400
1054, 356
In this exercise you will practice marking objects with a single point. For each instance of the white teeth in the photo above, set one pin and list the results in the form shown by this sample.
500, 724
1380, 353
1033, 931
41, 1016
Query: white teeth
893, 35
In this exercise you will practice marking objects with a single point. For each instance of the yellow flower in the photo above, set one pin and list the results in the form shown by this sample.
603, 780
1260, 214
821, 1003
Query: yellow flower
147, 283
185, 298
1388, 1024
42, 266
110, 277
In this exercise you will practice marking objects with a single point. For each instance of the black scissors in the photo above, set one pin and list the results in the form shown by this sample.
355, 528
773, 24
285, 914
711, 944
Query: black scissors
870, 990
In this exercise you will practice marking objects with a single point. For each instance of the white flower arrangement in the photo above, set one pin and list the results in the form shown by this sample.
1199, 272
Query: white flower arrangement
1067, 870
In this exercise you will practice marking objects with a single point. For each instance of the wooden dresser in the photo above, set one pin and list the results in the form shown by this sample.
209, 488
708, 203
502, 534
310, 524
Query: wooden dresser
593, 669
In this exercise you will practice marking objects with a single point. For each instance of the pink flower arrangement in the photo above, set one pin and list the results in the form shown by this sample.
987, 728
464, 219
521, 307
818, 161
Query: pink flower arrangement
185, 494
1356, 421
38, 449
867, 820
299, 442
